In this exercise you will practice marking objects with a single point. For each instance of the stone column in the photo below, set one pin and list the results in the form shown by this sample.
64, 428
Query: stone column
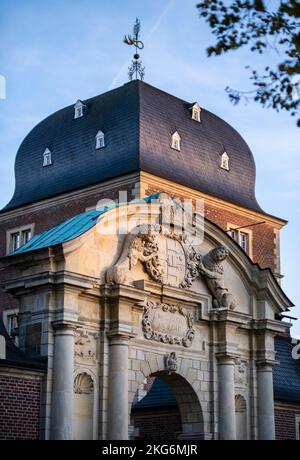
265, 401
227, 428
118, 387
63, 376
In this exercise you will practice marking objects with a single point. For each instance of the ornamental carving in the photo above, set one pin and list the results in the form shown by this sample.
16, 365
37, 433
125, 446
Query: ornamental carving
85, 346
83, 384
240, 372
171, 362
212, 271
167, 257
165, 323
167, 254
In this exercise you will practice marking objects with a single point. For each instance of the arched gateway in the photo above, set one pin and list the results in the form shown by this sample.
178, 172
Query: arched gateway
150, 289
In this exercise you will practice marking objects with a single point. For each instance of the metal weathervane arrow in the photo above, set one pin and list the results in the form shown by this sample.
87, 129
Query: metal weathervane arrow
136, 70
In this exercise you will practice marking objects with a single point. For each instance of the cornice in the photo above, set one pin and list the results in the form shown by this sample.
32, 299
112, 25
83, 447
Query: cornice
175, 188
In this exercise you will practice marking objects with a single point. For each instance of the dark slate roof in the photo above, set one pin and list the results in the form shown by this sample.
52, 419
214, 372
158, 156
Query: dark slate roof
287, 374
159, 395
137, 120
16, 358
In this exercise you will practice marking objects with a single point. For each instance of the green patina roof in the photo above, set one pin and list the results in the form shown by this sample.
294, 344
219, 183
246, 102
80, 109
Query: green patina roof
68, 230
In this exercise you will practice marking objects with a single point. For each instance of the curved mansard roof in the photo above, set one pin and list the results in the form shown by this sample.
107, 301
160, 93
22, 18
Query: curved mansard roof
138, 121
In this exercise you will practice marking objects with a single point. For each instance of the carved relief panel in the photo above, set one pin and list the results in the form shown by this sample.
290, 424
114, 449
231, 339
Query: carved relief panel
85, 346
241, 373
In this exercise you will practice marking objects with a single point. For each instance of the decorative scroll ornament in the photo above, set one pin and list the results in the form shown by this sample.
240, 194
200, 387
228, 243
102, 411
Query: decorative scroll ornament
165, 323
83, 384
171, 362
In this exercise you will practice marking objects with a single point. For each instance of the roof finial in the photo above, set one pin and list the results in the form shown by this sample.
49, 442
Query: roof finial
136, 69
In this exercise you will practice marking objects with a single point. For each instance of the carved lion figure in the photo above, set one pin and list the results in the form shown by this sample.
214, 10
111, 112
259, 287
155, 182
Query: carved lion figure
141, 247
212, 270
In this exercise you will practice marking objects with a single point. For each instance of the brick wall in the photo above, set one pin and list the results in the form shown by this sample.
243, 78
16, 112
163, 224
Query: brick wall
263, 235
285, 426
19, 407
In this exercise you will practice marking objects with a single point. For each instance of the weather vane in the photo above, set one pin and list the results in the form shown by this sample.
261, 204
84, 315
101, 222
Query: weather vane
136, 69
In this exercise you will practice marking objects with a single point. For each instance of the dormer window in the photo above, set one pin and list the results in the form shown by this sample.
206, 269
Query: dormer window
175, 144
78, 109
196, 110
100, 143
47, 158
225, 161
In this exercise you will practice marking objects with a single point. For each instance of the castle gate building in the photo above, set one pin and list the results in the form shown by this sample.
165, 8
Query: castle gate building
134, 248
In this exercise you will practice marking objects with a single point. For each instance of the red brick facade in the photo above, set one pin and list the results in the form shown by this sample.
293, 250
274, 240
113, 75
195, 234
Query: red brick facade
19, 407
263, 234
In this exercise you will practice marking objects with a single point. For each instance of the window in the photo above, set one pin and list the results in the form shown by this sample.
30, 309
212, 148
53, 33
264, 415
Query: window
225, 161
18, 237
79, 109
233, 234
196, 109
175, 144
244, 241
242, 237
47, 158
11, 322
100, 140
26, 235
15, 241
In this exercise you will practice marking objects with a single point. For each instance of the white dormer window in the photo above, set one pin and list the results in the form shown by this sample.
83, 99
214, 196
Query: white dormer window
196, 110
100, 143
225, 161
175, 144
47, 158
78, 109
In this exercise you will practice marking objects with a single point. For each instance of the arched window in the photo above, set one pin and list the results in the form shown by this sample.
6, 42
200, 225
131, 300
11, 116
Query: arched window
78, 109
47, 158
225, 161
175, 144
100, 142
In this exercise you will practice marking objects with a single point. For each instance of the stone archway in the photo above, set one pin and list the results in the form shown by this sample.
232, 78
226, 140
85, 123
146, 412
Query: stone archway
185, 417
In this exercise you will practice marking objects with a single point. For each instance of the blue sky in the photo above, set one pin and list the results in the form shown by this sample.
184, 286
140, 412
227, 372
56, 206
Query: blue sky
53, 53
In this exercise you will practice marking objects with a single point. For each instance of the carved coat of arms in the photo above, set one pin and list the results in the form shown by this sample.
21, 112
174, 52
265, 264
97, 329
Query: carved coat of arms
170, 258
167, 257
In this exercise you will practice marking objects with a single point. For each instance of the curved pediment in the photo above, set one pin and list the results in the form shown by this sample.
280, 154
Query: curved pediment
159, 241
